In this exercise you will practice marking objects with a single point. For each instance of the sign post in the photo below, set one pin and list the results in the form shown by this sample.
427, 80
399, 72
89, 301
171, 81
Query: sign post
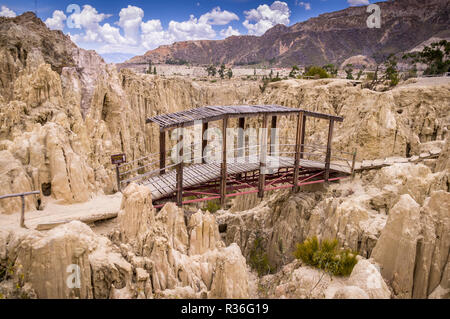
118, 159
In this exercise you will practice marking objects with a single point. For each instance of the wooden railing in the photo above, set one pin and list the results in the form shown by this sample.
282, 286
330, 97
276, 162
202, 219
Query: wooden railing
22, 196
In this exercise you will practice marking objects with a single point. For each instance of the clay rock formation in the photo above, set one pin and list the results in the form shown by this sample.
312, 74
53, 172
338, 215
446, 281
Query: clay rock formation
413, 248
369, 215
70, 261
181, 254
409, 119
149, 255
64, 111
297, 281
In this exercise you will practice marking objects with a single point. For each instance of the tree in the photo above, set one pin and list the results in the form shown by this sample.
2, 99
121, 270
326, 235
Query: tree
222, 71
149, 70
294, 72
154, 70
361, 72
391, 73
230, 73
211, 70
271, 74
436, 57
316, 71
349, 71
331, 69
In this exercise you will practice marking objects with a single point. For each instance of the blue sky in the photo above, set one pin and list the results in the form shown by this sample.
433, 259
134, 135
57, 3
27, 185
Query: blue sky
121, 29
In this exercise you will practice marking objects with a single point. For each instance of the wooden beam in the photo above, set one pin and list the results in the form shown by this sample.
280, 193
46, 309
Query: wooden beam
302, 140
328, 156
263, 158
298, 143
353, 163
204, 141
223, 170
241, 141
273, 135
162, 152
180, 168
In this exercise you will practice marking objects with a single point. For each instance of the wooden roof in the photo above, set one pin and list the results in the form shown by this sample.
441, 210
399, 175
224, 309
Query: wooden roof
214, 113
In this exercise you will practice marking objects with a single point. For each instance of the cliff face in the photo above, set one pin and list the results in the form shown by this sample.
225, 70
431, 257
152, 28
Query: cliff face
64, 111
329, 38
58, 130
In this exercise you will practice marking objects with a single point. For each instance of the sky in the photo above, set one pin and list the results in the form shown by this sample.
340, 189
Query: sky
119, 30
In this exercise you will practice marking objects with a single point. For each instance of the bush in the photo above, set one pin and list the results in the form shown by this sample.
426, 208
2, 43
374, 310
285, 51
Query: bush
326, 256
315, 70
258, 258
213, 206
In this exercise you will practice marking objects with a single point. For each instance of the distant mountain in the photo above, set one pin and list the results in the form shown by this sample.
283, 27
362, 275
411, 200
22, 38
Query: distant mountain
328, 38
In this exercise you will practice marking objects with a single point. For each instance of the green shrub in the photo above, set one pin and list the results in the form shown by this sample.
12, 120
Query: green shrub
316, 70
258, 258
326, 255
212, 206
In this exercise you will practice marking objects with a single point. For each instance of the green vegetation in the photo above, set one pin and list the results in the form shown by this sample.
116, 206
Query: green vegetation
294, 72
327, 256
211, 70
436, 57
331, 69
349, 71
212, 206
391, 73
360, 73
222, 71
258, 258
316, 71
176, 61
265, 82
230, 73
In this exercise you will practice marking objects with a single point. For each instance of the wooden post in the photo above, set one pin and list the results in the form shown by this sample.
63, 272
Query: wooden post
263, 158
241, 142
353, 163
162, 152
118, 177
328, 156
204, 141
180, 168
273, 135
298, 143
223, 168
22, 215
302, 140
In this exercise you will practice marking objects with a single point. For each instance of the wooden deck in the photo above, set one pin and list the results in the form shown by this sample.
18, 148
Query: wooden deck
196, 174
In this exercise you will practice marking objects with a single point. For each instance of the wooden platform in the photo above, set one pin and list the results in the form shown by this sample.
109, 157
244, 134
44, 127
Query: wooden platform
164, 185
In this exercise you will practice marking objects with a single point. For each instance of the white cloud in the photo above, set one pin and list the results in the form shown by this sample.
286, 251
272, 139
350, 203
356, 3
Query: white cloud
218, 17
7, 12
229, 32
153, 34
130, 21
193, 29
265, 17
133, 35
88, 18
305, 5
56, 22
357, 2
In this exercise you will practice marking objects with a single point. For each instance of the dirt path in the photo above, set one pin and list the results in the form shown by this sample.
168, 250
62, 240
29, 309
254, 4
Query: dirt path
100, 207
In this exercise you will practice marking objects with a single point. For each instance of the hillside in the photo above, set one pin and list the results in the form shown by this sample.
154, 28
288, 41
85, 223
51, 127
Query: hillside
329, 38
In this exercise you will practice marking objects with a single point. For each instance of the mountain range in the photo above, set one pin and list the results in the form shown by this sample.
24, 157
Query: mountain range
328, 38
